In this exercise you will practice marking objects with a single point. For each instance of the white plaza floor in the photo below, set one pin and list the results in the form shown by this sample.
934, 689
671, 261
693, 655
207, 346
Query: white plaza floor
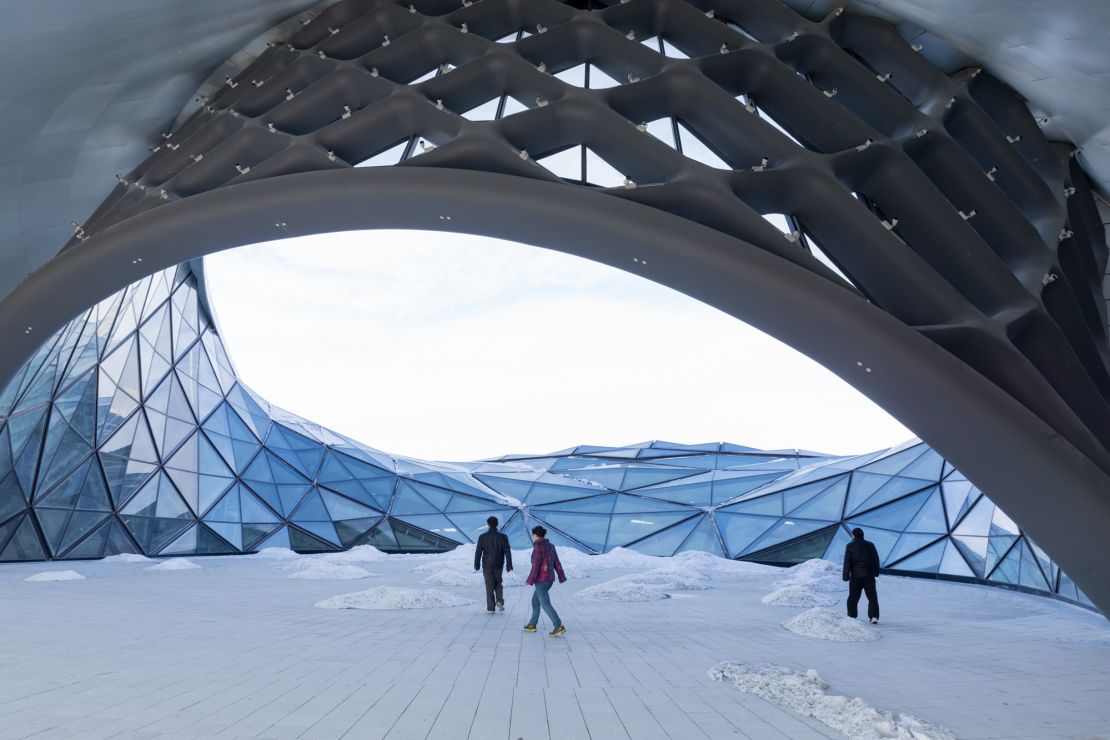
237, 648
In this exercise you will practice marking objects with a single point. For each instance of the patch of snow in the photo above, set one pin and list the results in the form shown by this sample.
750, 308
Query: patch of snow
276, 553
126, 557
622, 589
360, 554
797, 596
821, 576
314, 569
55, 575
651, 585
808, 695
829, 624
175, 564
391, 597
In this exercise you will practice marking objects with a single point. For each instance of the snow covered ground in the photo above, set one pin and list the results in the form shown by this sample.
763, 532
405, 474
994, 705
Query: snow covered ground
237, 648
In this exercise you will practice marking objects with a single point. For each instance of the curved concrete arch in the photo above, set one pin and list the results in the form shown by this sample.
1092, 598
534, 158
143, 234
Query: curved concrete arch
999, 444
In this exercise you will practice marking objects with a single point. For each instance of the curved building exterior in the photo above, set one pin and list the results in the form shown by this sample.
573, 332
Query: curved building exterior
842, 183
130, 432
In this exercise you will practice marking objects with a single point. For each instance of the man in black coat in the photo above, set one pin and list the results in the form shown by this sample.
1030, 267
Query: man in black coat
491, 554
861, 568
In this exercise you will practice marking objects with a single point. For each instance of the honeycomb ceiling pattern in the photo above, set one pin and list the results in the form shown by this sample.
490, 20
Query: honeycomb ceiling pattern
833, 145
130, 432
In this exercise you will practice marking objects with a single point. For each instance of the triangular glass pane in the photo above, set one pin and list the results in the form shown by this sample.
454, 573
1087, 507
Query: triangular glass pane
694, 148
226, 509
767, 505
93, 545
931, 516
229, 531
390, 156
341, 508
588, 529
741, 530
956, 499
630, 503
184, 544
703, 538
80, 524
312, 509
893, 489
24, 544
785, 530
512, 107
673, 52
486, 111
599, 80
953, 564
907, 544
566, 164
253, 510
828, 504
53, 524
974, 550
666, 542
895, 515
649, 475
977, 523
599, 172
926, 561
573, 76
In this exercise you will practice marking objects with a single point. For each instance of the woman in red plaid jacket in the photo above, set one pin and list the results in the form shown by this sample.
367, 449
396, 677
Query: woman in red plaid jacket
545, 566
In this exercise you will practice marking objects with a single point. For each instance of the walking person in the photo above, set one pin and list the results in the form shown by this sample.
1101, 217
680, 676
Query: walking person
491, 554
861, 568
545, 566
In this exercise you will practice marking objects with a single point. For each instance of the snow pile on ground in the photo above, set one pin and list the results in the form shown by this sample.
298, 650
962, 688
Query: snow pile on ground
276, 553
808, 696
175, 564
126, 557
816, 575
360, 554
829, 624
316, 569
797, 596
55, 575
708, 562
651, 585
391, 597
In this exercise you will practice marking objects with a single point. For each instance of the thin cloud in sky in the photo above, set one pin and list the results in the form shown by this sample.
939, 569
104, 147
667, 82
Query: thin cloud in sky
455, 347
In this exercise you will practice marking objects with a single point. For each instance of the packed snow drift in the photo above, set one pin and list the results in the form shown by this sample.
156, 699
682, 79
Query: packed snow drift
175, 564
808, 695
797, 596
391, 597
315, 569
830, 624
55, 575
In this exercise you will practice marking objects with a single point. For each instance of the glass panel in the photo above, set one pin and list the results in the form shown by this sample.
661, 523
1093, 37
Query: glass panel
574, 76
566, 164
672, 51
513, 106
741, 530
485, 112
600, 172
599, 80
703, 538
662, 129
895, 515
666, 542
695, 149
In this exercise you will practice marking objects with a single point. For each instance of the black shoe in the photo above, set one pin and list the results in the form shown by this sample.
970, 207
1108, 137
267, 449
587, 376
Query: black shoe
500, 606
558, 631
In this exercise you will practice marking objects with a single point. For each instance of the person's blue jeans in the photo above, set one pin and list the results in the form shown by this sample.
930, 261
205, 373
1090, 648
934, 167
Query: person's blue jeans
541, 597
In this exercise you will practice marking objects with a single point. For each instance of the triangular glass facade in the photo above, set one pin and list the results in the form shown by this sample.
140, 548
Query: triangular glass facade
130, 432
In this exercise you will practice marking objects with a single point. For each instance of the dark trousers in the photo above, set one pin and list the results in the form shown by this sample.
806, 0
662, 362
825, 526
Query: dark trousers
493, 587
867, 586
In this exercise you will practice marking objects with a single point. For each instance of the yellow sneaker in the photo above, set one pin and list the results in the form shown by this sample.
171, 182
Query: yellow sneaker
558, 631
529, 628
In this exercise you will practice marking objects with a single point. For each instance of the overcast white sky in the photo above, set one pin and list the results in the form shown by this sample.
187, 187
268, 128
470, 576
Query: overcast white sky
456, 347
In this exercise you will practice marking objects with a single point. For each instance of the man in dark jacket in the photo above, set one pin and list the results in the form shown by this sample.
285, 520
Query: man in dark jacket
491, 554
861, 568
